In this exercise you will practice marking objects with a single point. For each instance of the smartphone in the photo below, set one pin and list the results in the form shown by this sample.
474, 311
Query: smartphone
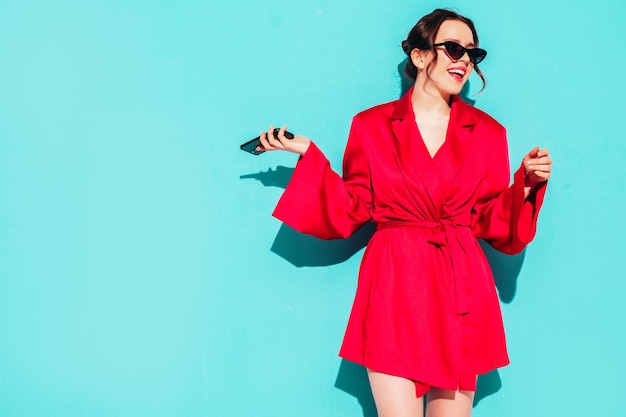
251, 145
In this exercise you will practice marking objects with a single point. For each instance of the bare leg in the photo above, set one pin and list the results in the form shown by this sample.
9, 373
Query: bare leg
395, 396
448, 403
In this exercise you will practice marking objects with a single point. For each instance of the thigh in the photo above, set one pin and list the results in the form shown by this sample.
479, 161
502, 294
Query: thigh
443, 402
395, 396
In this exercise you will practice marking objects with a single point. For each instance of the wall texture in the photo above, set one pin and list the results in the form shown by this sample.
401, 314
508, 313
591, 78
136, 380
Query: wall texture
140, 271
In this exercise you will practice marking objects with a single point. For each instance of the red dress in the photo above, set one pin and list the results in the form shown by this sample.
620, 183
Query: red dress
426, 306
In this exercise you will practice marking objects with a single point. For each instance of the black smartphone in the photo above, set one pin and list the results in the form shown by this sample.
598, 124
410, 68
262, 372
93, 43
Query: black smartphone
251, 145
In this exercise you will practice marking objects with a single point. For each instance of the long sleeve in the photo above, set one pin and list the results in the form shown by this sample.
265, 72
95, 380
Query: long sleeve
503, 217
321, 203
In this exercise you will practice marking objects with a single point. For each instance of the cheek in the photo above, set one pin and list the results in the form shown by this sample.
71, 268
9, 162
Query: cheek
439, 66
442, 62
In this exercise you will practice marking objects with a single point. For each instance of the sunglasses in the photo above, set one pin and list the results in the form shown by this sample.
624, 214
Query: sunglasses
456, 51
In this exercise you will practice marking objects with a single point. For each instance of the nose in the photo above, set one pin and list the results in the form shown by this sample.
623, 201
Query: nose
465, 57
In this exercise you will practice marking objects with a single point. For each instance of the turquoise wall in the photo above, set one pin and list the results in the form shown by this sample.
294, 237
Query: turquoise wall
141, 273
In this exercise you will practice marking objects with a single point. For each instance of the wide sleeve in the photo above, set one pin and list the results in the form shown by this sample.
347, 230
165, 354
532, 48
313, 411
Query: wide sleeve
502, 216
320, 202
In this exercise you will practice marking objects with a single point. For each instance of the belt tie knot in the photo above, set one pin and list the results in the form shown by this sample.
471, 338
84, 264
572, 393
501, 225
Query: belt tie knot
439, 235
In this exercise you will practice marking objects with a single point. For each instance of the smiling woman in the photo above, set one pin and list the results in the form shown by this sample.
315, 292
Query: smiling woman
422, 37
432, 172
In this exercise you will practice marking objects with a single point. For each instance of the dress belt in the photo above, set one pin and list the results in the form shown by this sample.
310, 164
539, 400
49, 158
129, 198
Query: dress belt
441, 228
444, 234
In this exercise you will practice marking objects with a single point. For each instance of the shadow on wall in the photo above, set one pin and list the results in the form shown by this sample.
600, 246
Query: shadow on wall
506, 269
303, 250
352, 379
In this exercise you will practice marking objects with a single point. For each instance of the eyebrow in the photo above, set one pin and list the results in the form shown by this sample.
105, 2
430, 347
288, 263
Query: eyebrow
471, 44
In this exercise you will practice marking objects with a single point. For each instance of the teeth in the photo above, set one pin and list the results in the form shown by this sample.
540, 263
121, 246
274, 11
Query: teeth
457, 71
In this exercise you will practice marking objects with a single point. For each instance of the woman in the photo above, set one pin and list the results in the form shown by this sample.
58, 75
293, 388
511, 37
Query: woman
432, 172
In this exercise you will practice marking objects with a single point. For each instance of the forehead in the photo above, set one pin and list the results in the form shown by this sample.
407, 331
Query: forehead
454, 30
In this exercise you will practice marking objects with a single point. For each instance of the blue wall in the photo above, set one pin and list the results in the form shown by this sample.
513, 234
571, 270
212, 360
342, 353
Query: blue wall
140, 271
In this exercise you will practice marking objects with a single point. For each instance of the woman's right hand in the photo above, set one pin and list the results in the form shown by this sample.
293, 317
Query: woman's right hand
299, 144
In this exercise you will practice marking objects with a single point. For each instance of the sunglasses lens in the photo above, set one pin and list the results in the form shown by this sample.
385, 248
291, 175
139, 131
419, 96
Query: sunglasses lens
455, 50
477, 55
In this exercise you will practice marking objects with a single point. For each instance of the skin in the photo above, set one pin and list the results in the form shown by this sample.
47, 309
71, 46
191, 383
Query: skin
431, 98
395, 396
299, 144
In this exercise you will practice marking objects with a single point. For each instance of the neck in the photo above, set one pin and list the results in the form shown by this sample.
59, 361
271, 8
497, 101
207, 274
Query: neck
429, 100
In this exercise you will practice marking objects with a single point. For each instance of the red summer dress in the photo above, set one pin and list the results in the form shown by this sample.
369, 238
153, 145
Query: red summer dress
426, 306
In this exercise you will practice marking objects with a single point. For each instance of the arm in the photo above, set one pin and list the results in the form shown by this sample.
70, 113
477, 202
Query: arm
321, 203
506, 216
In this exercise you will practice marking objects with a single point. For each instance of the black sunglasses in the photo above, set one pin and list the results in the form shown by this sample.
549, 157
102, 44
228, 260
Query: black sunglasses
456, 51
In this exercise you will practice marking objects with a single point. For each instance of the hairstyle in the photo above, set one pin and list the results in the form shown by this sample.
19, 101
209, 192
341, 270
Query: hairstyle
423, 34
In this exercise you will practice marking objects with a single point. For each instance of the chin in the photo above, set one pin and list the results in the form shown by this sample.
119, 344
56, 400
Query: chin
452, 91
456, 89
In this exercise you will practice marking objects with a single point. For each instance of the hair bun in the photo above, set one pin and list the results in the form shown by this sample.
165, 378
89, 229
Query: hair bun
405, 47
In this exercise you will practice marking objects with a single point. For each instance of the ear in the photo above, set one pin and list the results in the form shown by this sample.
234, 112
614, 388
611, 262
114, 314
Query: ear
418, 58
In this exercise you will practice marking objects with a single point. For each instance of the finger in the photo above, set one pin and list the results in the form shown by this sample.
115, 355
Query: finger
281, 134
275, 142
271, 139
542, 152
533, 152
541, 168
540, 162
264, 143
542, 176
544, 160
528, 166
270, 134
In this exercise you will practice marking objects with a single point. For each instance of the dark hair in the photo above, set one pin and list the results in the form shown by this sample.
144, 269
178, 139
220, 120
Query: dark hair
423, 34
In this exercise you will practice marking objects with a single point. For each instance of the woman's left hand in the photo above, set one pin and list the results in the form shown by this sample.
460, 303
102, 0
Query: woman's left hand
537, 166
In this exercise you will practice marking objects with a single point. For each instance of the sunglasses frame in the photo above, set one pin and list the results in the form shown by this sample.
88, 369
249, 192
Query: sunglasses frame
476, 55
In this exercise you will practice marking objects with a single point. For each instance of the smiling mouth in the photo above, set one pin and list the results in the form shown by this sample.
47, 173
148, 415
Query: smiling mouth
457, 73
